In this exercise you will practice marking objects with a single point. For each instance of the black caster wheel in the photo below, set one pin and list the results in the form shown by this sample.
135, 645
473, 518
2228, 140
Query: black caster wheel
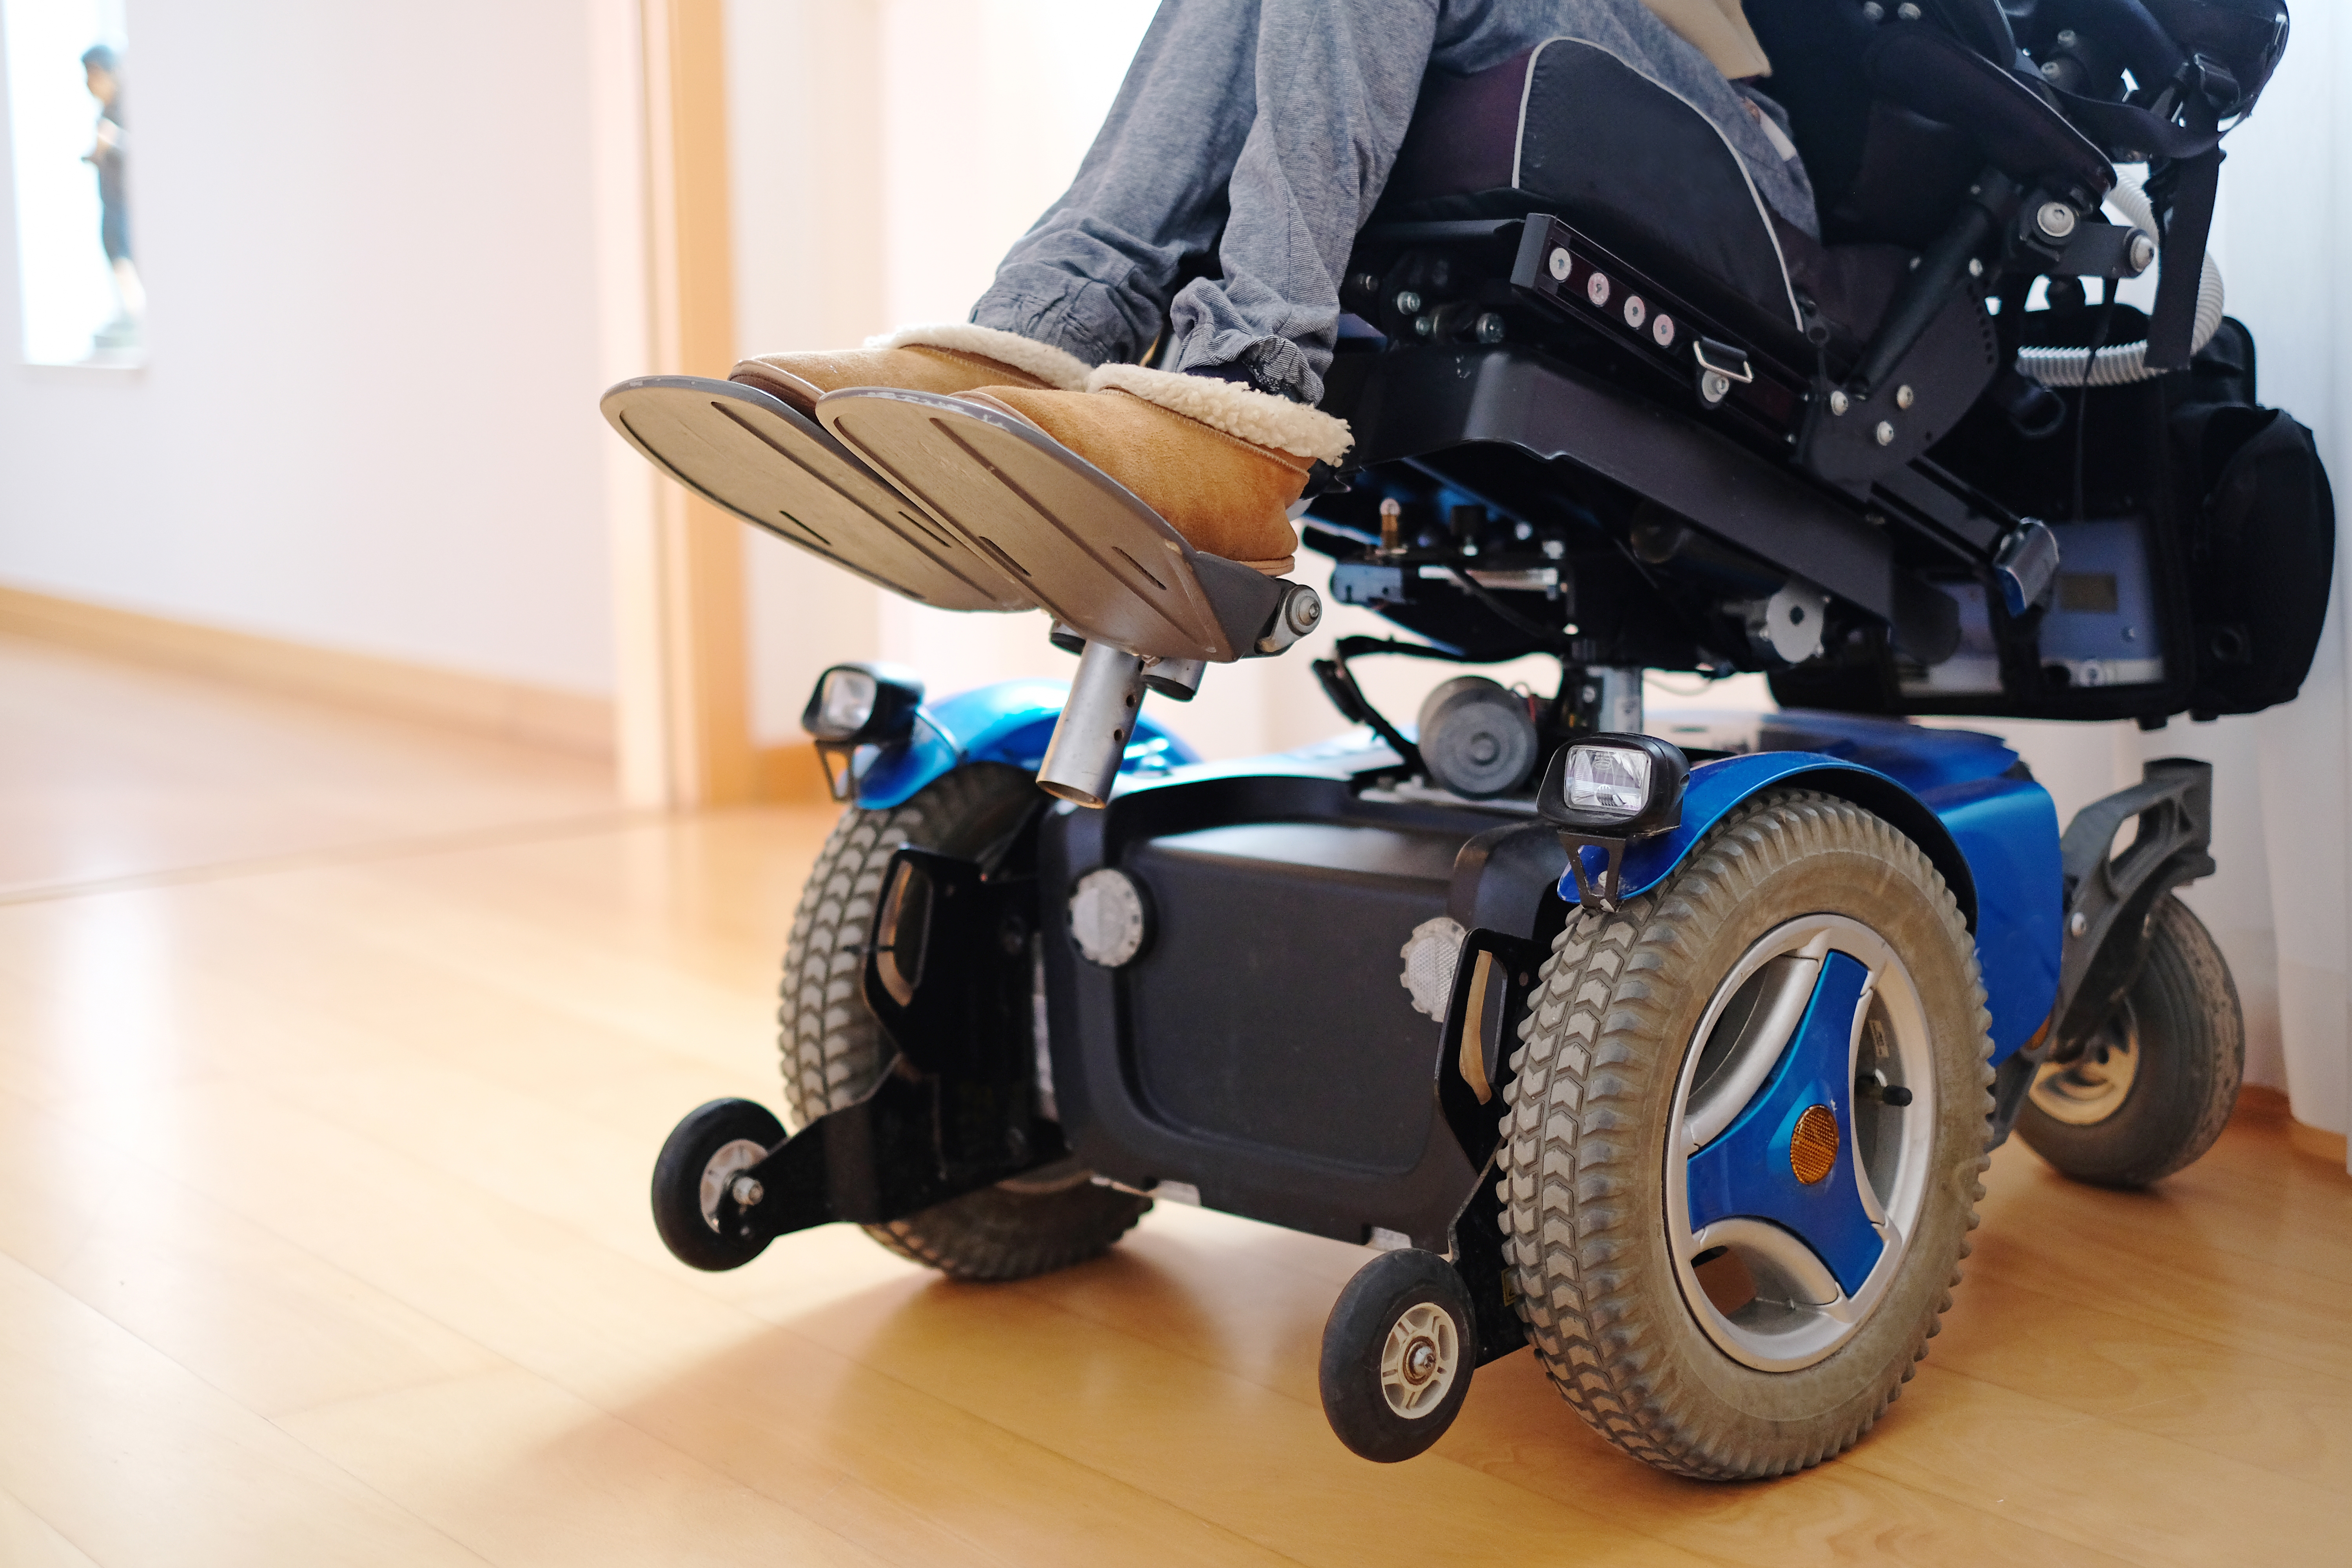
704, 1153
1398, 1351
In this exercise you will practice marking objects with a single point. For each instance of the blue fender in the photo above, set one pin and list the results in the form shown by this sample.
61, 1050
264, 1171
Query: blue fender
1992, 833
1007, 722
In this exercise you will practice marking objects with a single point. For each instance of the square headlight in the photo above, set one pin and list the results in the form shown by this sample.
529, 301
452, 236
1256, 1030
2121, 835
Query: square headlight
1614, 786
863, 705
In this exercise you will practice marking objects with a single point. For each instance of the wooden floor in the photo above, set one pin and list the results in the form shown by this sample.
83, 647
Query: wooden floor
333, 1057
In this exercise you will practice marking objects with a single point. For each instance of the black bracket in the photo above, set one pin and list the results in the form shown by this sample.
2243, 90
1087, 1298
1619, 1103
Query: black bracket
946, 975
1493, 977
2110, 898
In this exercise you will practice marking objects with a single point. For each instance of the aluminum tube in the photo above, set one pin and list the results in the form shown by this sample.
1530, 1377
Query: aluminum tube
1082, 760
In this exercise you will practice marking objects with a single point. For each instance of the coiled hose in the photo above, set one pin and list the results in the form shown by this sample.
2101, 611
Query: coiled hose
2125, 363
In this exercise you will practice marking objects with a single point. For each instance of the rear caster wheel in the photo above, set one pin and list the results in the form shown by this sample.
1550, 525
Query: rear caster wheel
693, 1181
2157, 1085
1739, 1156
1398, 1350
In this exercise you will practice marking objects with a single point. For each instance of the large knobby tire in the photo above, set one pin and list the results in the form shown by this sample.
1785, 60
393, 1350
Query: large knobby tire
833, 1051
1605, 1073
2160, 1079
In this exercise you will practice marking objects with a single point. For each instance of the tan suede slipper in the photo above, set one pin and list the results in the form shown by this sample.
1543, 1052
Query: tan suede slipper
1220, 462
946, 357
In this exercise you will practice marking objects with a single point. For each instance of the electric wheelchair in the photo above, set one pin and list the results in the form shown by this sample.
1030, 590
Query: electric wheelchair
1672, 1050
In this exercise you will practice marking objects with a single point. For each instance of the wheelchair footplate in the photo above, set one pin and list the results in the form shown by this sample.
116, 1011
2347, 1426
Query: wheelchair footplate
1100, 560
762, 459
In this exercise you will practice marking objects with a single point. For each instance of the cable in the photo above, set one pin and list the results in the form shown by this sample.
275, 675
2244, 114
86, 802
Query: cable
2122, 366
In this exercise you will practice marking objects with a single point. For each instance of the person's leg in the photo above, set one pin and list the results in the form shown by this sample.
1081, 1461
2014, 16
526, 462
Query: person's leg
1093, 275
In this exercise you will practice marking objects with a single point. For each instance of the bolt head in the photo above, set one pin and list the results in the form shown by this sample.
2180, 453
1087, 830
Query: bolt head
1596, 288
1873, 12
1904, 397
1976, 267
1715, 386
1368, 282
747, 1191
2066, 37
1907, 12
1559, 262
1490, 328
2142, 253
1408, 303
2077, 924
1885, 432
1838, 401
1304, 611
2055, 220
1423, 326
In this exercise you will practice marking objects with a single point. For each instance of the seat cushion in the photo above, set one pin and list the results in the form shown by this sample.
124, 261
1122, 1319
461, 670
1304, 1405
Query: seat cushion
1574, 130
1568, 128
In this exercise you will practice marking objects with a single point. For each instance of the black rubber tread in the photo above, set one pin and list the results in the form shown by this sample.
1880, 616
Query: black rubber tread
833, 1050
2192, 1050
684, 1156
1355, 1336
1582, 1148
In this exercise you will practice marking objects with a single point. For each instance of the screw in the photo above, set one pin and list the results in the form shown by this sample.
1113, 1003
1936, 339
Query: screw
1423, 325
1873, 12
2052, 71
1490, 327
2077, 923
1408, 303
2055, 220
747, 1191
1596, 288
1838, 401
1392, 527
1907, 12
1903, 397
1304, 611
1554, 549
1367, 282
1715, 386
2142, 254
1561, 262
2065, 37
1976, 267
1885, 434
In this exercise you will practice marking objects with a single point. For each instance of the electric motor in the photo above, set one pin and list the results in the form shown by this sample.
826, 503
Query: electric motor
1476, 738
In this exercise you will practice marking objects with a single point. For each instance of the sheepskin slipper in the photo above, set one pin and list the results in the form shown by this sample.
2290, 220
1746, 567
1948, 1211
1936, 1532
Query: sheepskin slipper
1221, 463
947, 357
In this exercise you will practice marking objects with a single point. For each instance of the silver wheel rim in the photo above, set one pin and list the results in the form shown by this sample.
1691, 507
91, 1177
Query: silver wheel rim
1419, 1361
1752, 1115
2093, 1087
731, 1161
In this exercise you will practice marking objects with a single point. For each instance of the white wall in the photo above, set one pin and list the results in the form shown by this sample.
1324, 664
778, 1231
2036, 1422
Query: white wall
369, 235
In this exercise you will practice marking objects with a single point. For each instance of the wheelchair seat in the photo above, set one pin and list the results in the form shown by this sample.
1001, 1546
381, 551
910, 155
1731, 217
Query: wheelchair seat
1568, 128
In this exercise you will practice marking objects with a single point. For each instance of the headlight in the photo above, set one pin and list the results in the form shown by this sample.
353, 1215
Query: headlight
863, 705
1605, 791
1605, 781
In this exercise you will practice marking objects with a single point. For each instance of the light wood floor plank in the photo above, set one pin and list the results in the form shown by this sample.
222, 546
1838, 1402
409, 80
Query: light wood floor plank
136, 1461
323, 1219
26, 1541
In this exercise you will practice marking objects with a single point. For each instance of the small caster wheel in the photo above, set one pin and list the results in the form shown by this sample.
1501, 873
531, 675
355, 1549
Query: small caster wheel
699, 1160
1397, 1353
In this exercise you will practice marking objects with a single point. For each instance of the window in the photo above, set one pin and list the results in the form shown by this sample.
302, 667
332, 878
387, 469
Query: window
68, 70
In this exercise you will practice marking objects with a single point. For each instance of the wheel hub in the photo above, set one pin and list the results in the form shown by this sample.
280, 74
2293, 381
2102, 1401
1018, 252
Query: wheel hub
1798, 1141
2093, 1087
1421, 1360
719, 1175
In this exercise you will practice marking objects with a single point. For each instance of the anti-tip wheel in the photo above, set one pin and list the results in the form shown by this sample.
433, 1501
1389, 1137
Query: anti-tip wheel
1398, 1351
703, 1155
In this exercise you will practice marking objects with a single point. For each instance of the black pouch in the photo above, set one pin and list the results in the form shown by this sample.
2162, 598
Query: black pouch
2262, 546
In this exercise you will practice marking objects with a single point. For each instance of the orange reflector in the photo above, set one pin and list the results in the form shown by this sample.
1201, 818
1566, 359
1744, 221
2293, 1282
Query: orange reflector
1814, 1146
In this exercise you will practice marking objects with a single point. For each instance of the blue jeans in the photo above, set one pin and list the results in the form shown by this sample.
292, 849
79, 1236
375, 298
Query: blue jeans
1264, 131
